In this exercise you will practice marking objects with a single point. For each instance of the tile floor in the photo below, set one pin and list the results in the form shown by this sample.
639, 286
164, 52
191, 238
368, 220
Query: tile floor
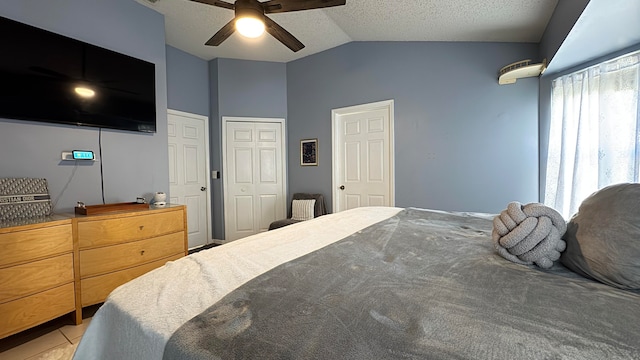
57, 333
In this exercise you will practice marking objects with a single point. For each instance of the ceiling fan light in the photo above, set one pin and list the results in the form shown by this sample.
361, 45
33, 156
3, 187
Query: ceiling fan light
84, 91
250, 27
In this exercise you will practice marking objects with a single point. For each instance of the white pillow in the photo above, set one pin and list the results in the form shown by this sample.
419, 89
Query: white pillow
302, 209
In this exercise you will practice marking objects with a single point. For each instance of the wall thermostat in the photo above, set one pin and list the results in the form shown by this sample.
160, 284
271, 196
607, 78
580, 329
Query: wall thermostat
78, 155
83, 155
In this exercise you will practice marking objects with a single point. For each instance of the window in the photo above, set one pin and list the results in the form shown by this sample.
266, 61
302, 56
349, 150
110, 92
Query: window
594, 138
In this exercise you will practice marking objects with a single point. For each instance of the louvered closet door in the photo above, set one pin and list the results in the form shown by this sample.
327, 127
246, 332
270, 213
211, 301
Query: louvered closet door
254, 187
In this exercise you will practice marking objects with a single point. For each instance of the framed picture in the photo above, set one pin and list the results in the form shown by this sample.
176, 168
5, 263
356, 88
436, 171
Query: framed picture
309, 152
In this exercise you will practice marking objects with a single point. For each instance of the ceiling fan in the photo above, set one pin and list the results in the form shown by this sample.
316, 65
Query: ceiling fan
252, 13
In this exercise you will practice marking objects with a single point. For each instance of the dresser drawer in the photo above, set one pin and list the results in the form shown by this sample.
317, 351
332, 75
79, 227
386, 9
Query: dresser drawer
96, 289
111, 258
26, 279
93, 233
22, 246
36, 309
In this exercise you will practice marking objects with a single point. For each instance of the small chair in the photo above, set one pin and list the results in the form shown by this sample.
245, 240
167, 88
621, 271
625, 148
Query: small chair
319, 208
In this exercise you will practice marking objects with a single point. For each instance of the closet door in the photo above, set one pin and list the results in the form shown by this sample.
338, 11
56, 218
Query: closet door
253, 176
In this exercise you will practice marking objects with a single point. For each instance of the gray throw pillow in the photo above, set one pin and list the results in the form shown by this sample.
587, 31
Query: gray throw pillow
603, 238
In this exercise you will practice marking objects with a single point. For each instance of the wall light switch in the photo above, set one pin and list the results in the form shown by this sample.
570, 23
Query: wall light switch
215, 174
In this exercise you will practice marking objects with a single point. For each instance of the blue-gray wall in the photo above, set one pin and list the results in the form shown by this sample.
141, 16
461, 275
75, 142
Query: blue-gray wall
187, 82
447, 102
603, 27
135, 164
215, 159
562, 21
241, 88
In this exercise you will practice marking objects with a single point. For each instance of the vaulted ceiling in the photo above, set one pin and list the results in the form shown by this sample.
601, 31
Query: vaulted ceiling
189, 25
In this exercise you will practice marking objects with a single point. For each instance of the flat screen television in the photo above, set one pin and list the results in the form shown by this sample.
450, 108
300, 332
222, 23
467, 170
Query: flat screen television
52, 78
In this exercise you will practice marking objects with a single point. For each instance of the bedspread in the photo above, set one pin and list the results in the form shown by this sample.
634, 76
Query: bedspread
419, 285
138, 317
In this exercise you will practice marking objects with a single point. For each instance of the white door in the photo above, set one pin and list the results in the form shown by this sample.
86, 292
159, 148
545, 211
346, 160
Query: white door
253, 175
363, 171
188, 169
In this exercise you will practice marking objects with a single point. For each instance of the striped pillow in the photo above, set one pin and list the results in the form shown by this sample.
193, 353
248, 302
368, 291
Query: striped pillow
302, 209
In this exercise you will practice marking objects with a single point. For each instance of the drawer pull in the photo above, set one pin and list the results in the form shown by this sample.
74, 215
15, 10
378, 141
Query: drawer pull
141, 227
142, 252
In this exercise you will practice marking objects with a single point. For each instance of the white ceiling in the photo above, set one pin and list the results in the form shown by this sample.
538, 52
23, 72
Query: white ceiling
189, 25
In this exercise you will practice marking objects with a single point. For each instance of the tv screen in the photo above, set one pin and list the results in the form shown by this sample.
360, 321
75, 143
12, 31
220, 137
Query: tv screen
52, 78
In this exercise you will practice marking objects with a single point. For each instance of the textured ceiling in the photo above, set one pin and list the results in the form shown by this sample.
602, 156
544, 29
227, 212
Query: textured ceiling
189, 25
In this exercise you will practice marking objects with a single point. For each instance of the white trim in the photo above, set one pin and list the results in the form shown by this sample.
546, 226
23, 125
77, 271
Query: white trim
283, 130
205, 119
252, 119
335, 136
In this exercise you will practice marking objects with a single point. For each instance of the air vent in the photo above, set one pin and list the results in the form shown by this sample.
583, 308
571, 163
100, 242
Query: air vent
521, 69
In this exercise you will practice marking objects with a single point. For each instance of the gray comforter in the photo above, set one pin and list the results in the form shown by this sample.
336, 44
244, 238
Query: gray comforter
420, 285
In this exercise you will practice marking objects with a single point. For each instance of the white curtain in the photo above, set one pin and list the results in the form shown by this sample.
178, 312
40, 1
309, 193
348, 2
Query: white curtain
594, 135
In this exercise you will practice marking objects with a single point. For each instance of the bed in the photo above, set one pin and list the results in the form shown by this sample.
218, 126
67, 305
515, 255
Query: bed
367, 283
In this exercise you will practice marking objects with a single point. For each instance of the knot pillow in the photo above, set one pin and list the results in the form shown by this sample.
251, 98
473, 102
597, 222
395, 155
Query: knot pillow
603, 237
529, 234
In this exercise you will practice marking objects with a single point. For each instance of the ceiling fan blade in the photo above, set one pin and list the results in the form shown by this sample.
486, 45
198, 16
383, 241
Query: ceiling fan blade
48, 72
222, 34
218, 3
280, 6
282, 35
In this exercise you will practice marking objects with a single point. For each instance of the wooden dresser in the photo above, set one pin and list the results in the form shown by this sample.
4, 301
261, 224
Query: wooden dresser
117, 247
37, 277
57, 265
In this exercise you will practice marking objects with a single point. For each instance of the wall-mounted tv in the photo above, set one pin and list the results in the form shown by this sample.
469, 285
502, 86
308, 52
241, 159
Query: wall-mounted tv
52, 78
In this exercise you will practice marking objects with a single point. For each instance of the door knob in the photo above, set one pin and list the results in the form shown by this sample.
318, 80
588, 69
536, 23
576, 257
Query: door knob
342, 187
203, 188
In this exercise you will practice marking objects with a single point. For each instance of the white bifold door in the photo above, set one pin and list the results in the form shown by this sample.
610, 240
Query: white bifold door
253, 175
